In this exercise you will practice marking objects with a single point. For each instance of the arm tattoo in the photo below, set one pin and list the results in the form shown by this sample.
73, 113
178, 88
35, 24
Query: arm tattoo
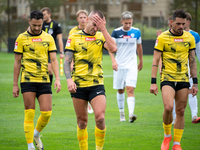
154, 65
67, 63
192, 64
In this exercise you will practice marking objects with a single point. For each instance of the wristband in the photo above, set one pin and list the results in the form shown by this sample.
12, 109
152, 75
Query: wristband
195, 80
61, 52
153, 80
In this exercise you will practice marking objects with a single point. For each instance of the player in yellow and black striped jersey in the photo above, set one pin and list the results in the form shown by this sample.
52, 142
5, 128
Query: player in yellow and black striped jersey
31, 54
86, 84
174, 47
175, 51
87, 49
35, 51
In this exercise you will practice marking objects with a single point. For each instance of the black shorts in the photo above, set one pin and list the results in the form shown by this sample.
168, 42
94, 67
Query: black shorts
88, 93
175, 85
38, 88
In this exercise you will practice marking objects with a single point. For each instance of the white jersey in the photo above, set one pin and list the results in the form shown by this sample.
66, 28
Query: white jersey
127, 44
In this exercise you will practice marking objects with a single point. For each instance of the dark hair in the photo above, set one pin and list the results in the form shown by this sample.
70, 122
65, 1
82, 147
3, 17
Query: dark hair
179, 14
188, 17
98, 12
36, 15
47, 9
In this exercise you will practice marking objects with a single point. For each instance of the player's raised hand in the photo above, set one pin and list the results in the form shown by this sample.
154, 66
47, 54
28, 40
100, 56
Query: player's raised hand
100, 23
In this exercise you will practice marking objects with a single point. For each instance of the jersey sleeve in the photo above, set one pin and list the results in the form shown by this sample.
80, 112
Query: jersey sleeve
159, 45
58, 29
139, 39
192, 45
52, 45
18, 48
70, 45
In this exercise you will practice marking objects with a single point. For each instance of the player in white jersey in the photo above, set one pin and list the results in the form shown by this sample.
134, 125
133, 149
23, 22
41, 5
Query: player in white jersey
192, 99
128, 40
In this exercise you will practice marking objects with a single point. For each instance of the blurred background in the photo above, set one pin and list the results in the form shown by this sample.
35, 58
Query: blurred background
149, 16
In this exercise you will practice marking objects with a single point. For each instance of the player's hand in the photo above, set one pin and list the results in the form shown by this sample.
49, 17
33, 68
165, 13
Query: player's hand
100, 23
61, 56
154, 89
15, 91
194, 90
159, 32
58, 85
140, 66
115, 66
71, 86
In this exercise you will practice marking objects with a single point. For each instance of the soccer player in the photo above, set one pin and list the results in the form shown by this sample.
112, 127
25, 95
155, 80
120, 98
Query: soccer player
86, 83
53, 28
31, 54
81, 17
125, 67
175, 46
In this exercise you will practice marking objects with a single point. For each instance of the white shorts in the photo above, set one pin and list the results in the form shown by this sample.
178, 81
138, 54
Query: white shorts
124, 77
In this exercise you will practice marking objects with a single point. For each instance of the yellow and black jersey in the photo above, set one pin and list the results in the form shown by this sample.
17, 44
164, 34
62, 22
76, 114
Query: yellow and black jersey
88, 52
73, 30
175, 51
34, 50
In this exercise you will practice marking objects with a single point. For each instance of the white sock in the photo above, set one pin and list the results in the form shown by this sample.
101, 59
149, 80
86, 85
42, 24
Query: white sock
131, 105
120, 100
176, 143
174, 112
193, 105
36, 133
167, 135
30, 145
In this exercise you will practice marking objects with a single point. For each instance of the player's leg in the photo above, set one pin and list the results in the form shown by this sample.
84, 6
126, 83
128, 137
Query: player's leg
29, 104
119, 84
45, 101
99, 105
80, 107
131, 80
168, 94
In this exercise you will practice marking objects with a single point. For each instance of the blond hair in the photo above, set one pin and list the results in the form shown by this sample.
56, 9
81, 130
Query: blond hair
81, 12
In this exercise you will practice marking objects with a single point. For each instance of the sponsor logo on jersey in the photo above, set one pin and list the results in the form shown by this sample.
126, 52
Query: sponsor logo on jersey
16, 45
68, 42
178, 40
37, 40
126, 36
90, 38
156, 42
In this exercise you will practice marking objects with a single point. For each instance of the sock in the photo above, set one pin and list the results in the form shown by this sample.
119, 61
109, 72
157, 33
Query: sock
193, 105
131, 105
167, 129
174, 111
29, 125
30, 145
43, 120
51, 78
36, 133
177, 136
100, 137
82, 136
120, 100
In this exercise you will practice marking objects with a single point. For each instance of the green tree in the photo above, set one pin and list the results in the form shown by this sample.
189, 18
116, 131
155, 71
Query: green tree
190, 6
52, 4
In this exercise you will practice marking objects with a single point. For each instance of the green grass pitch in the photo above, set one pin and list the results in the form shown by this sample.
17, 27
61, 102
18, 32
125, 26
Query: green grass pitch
146, 133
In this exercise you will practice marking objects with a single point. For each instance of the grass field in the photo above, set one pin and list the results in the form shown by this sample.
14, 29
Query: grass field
146, 133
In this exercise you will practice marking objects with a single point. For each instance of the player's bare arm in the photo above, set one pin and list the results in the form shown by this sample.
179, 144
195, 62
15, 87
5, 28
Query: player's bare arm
110, 44
140, 54
114, 63
193, 72
156, 58
67, 70
17, 67
60, 43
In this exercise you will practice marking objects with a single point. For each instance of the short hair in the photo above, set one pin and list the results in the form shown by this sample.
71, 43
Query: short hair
81, 12
179, 14
36, 15
188, 16
98, 12
47, 9
127, 15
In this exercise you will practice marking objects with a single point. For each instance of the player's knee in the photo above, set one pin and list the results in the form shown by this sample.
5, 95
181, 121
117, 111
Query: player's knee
82, 122
180, 112
168, 109
100, 120
45, 115
121, 91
